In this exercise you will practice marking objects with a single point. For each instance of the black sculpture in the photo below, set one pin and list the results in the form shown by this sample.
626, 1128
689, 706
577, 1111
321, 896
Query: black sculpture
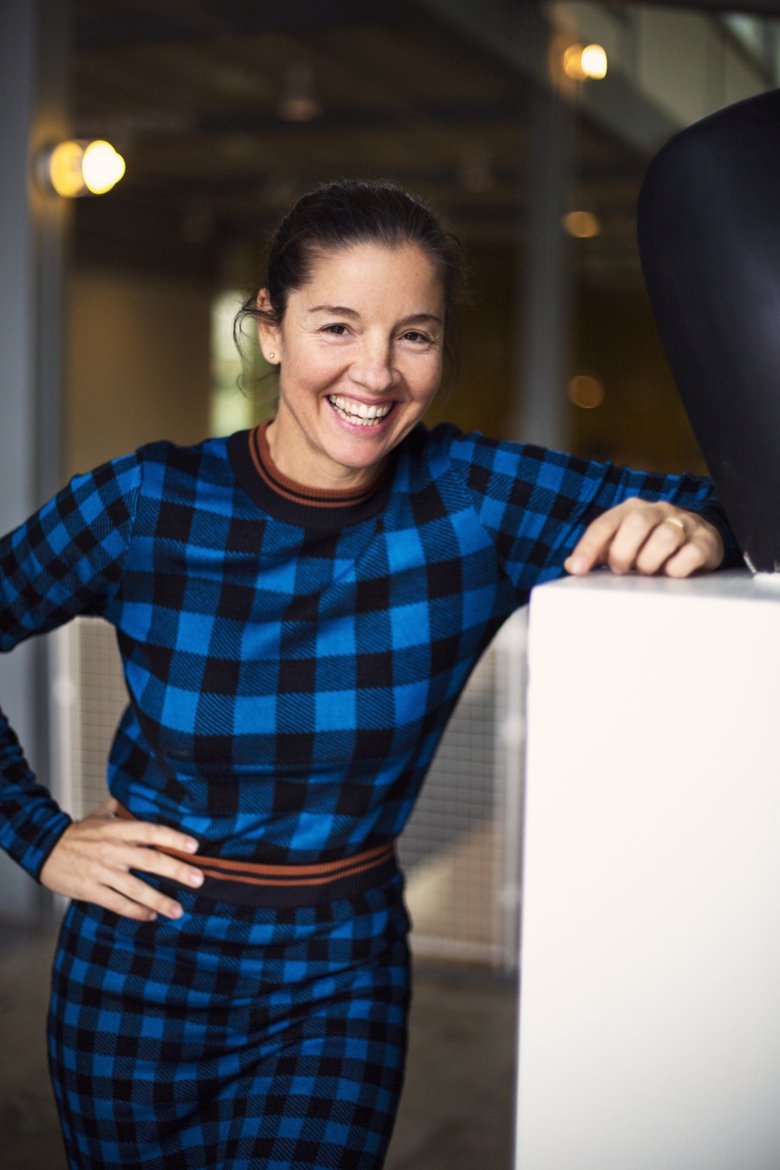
709, 237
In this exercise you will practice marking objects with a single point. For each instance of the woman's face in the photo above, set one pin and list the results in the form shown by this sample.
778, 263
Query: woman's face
360, 348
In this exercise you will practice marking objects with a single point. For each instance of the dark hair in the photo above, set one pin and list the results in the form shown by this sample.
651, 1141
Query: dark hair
351, 211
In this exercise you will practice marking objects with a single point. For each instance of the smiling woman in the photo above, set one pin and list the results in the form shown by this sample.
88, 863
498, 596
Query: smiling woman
298, 608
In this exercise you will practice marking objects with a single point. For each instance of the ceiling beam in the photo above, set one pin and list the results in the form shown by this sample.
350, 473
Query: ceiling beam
748, 7
513, 32
179, 24
517, 32
359, 118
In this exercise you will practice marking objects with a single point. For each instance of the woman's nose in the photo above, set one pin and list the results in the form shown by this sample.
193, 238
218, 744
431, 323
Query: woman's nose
373, 367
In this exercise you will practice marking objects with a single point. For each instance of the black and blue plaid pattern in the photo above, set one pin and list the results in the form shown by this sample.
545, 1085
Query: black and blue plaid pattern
233, 1037
291, 669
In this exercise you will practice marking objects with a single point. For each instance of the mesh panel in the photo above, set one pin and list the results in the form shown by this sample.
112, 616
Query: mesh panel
91, 697
460, 849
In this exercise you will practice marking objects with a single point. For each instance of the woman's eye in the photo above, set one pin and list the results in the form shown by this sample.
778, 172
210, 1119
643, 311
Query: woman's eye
415, 335
336, 330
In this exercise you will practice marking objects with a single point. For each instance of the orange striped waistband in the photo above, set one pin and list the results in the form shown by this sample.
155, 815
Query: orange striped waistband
347, 874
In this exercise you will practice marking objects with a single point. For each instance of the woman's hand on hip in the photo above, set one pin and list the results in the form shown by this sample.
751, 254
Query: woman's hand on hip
93, 858
650, 537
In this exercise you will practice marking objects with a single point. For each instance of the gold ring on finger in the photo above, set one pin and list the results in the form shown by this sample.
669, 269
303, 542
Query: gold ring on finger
678, 524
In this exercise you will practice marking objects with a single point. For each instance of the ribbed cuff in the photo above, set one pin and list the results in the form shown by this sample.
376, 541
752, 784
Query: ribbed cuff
31, 845
732, 553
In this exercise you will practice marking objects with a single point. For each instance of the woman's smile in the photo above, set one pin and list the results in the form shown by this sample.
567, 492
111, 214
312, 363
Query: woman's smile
359, 413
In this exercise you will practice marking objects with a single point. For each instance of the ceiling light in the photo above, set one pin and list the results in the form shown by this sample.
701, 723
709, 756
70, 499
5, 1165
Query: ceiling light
585, 62
298, 103
583, 225
79, 167
585, 392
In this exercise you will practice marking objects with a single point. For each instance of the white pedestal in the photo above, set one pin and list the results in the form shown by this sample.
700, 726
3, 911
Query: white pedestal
650, 988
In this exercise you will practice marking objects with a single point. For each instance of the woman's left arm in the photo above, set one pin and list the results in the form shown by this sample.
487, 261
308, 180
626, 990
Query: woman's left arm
649, 536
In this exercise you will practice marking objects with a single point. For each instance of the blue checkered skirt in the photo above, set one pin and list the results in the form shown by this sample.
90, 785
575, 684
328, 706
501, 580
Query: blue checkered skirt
235, 1037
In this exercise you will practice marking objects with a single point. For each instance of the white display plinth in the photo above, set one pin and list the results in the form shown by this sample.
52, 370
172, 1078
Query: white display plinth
650, 985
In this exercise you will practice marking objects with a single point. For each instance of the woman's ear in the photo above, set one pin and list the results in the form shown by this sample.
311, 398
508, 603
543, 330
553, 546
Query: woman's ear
269, 335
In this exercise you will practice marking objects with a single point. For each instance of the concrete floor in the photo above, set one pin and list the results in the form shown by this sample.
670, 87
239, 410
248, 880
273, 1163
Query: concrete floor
458, 1099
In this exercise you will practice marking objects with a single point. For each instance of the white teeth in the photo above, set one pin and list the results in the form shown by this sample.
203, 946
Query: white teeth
359, 412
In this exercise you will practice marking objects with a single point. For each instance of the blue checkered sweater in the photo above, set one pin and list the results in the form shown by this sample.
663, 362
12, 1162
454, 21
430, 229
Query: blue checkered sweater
290, 668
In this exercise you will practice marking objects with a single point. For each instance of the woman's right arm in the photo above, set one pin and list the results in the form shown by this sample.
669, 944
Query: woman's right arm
66, 560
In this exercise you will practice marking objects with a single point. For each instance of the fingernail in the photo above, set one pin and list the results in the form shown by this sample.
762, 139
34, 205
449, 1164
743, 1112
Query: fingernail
576, 563
191, 846
176, 912
195, 878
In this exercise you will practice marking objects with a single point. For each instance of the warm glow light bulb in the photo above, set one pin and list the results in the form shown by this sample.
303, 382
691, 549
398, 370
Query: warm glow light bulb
585, 392
64, 169
78, 167
582, 63
102, 167
594, 62
583, 225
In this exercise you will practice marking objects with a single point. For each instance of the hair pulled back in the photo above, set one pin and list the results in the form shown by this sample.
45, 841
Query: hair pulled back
341, 214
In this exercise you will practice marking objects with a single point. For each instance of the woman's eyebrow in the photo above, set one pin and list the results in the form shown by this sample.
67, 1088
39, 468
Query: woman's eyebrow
419, 318
343, 311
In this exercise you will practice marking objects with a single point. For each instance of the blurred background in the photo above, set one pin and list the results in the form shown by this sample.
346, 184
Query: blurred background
528, 126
